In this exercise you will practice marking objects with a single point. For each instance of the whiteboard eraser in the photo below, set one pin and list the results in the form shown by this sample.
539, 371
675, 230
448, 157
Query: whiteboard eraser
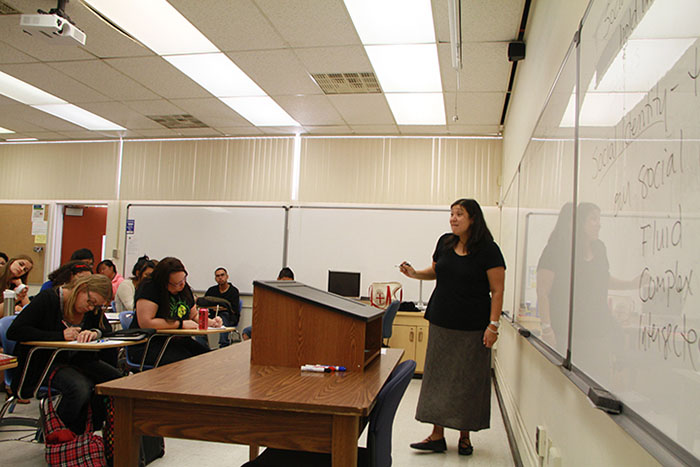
524, 332
604, 400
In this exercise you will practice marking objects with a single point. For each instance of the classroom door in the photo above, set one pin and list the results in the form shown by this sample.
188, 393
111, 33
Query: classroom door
83, 227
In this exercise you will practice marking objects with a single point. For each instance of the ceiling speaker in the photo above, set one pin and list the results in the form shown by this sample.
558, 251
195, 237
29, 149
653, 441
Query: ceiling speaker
516, 51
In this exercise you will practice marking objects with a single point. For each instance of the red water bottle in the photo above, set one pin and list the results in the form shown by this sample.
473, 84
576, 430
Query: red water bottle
203, 318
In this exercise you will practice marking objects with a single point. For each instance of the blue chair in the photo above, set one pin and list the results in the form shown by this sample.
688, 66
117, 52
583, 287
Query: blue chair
388, 319
125, 319
381, 421
8, 347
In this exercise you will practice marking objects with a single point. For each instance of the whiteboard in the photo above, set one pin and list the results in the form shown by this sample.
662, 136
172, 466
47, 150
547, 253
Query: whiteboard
371, 241
636, 294
246, 240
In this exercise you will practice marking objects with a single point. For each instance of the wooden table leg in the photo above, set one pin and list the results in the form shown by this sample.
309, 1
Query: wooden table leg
344, 441
126, 443
253, 451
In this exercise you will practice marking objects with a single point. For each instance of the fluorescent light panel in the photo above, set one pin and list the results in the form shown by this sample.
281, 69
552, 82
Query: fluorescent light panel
80, 117
406, 68
161, 28
19, 140
260, 111
156, 24
217, 74
430, 105
392, 21
5, 130
27, 94
399, 38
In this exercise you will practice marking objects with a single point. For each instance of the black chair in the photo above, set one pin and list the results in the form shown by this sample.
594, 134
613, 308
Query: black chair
381, 421
388, 319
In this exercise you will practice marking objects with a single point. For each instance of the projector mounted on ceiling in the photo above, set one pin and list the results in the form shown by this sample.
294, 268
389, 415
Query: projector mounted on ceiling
54, 25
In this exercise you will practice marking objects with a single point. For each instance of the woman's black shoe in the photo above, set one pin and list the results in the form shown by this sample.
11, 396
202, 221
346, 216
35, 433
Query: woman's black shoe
465, 450
438, 445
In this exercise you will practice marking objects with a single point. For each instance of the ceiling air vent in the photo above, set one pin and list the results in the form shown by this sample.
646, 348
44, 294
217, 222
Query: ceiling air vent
6, 9
178, 121
347, 83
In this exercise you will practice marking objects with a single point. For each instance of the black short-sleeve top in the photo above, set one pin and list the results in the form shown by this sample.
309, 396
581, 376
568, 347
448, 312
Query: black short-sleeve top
462, 296
179, 305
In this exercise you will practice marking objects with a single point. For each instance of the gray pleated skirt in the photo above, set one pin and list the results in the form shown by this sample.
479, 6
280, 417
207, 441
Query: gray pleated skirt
456, 388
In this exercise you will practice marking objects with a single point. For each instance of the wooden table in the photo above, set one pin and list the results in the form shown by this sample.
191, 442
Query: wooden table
219, 396
60, 346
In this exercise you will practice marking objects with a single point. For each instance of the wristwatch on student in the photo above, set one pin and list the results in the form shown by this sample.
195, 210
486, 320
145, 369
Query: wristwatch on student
495, 323
180, 326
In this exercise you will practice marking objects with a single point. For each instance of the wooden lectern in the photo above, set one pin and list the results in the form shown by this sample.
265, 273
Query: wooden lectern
295, 324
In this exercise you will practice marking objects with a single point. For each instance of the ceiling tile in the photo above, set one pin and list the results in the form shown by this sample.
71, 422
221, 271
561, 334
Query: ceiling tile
105, 79
311, 110
121, 114
374, 129
211, 111
485, 67
363, 109
328, 130
310, 23
54, 82
264, 68
159, 76
341, 59
9, 54
240, 131
232, 25
154, 107
476, 107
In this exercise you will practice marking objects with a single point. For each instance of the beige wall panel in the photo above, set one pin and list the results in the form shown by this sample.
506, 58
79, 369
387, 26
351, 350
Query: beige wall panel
399, 170
58, 171
255, 169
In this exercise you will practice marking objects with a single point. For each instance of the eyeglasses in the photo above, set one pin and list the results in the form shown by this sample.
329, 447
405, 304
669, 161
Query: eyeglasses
92, 303
179, 283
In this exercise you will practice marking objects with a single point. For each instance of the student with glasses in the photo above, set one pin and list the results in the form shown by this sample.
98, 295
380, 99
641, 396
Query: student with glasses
165, 301
72, 312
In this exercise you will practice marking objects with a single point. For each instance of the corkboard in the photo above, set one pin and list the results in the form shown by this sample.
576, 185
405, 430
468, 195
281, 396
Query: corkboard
16, 237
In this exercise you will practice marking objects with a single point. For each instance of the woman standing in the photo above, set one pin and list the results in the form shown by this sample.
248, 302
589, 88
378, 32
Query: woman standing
464, 312
72, 312
13, 274
166, 301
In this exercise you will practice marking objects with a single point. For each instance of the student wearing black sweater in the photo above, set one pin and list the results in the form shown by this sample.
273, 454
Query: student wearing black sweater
72, 312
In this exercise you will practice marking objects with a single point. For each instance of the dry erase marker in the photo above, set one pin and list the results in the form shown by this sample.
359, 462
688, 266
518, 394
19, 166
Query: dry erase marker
315, 368
335, 368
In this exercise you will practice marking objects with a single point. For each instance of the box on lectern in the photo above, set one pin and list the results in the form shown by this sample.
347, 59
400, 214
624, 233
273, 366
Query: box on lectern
295, 324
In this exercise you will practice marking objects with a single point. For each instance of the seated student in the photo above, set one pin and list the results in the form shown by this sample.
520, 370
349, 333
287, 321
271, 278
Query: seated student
285, 274
67, 313
13, 274
224, 289
65, 273
165, 301
124, 299
107, 268
85, 255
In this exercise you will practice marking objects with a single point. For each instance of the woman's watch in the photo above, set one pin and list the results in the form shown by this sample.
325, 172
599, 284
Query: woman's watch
495, 323
180, 326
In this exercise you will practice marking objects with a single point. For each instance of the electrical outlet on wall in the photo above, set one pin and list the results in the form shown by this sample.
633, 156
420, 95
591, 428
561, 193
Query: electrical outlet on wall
540, 440
554, 457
